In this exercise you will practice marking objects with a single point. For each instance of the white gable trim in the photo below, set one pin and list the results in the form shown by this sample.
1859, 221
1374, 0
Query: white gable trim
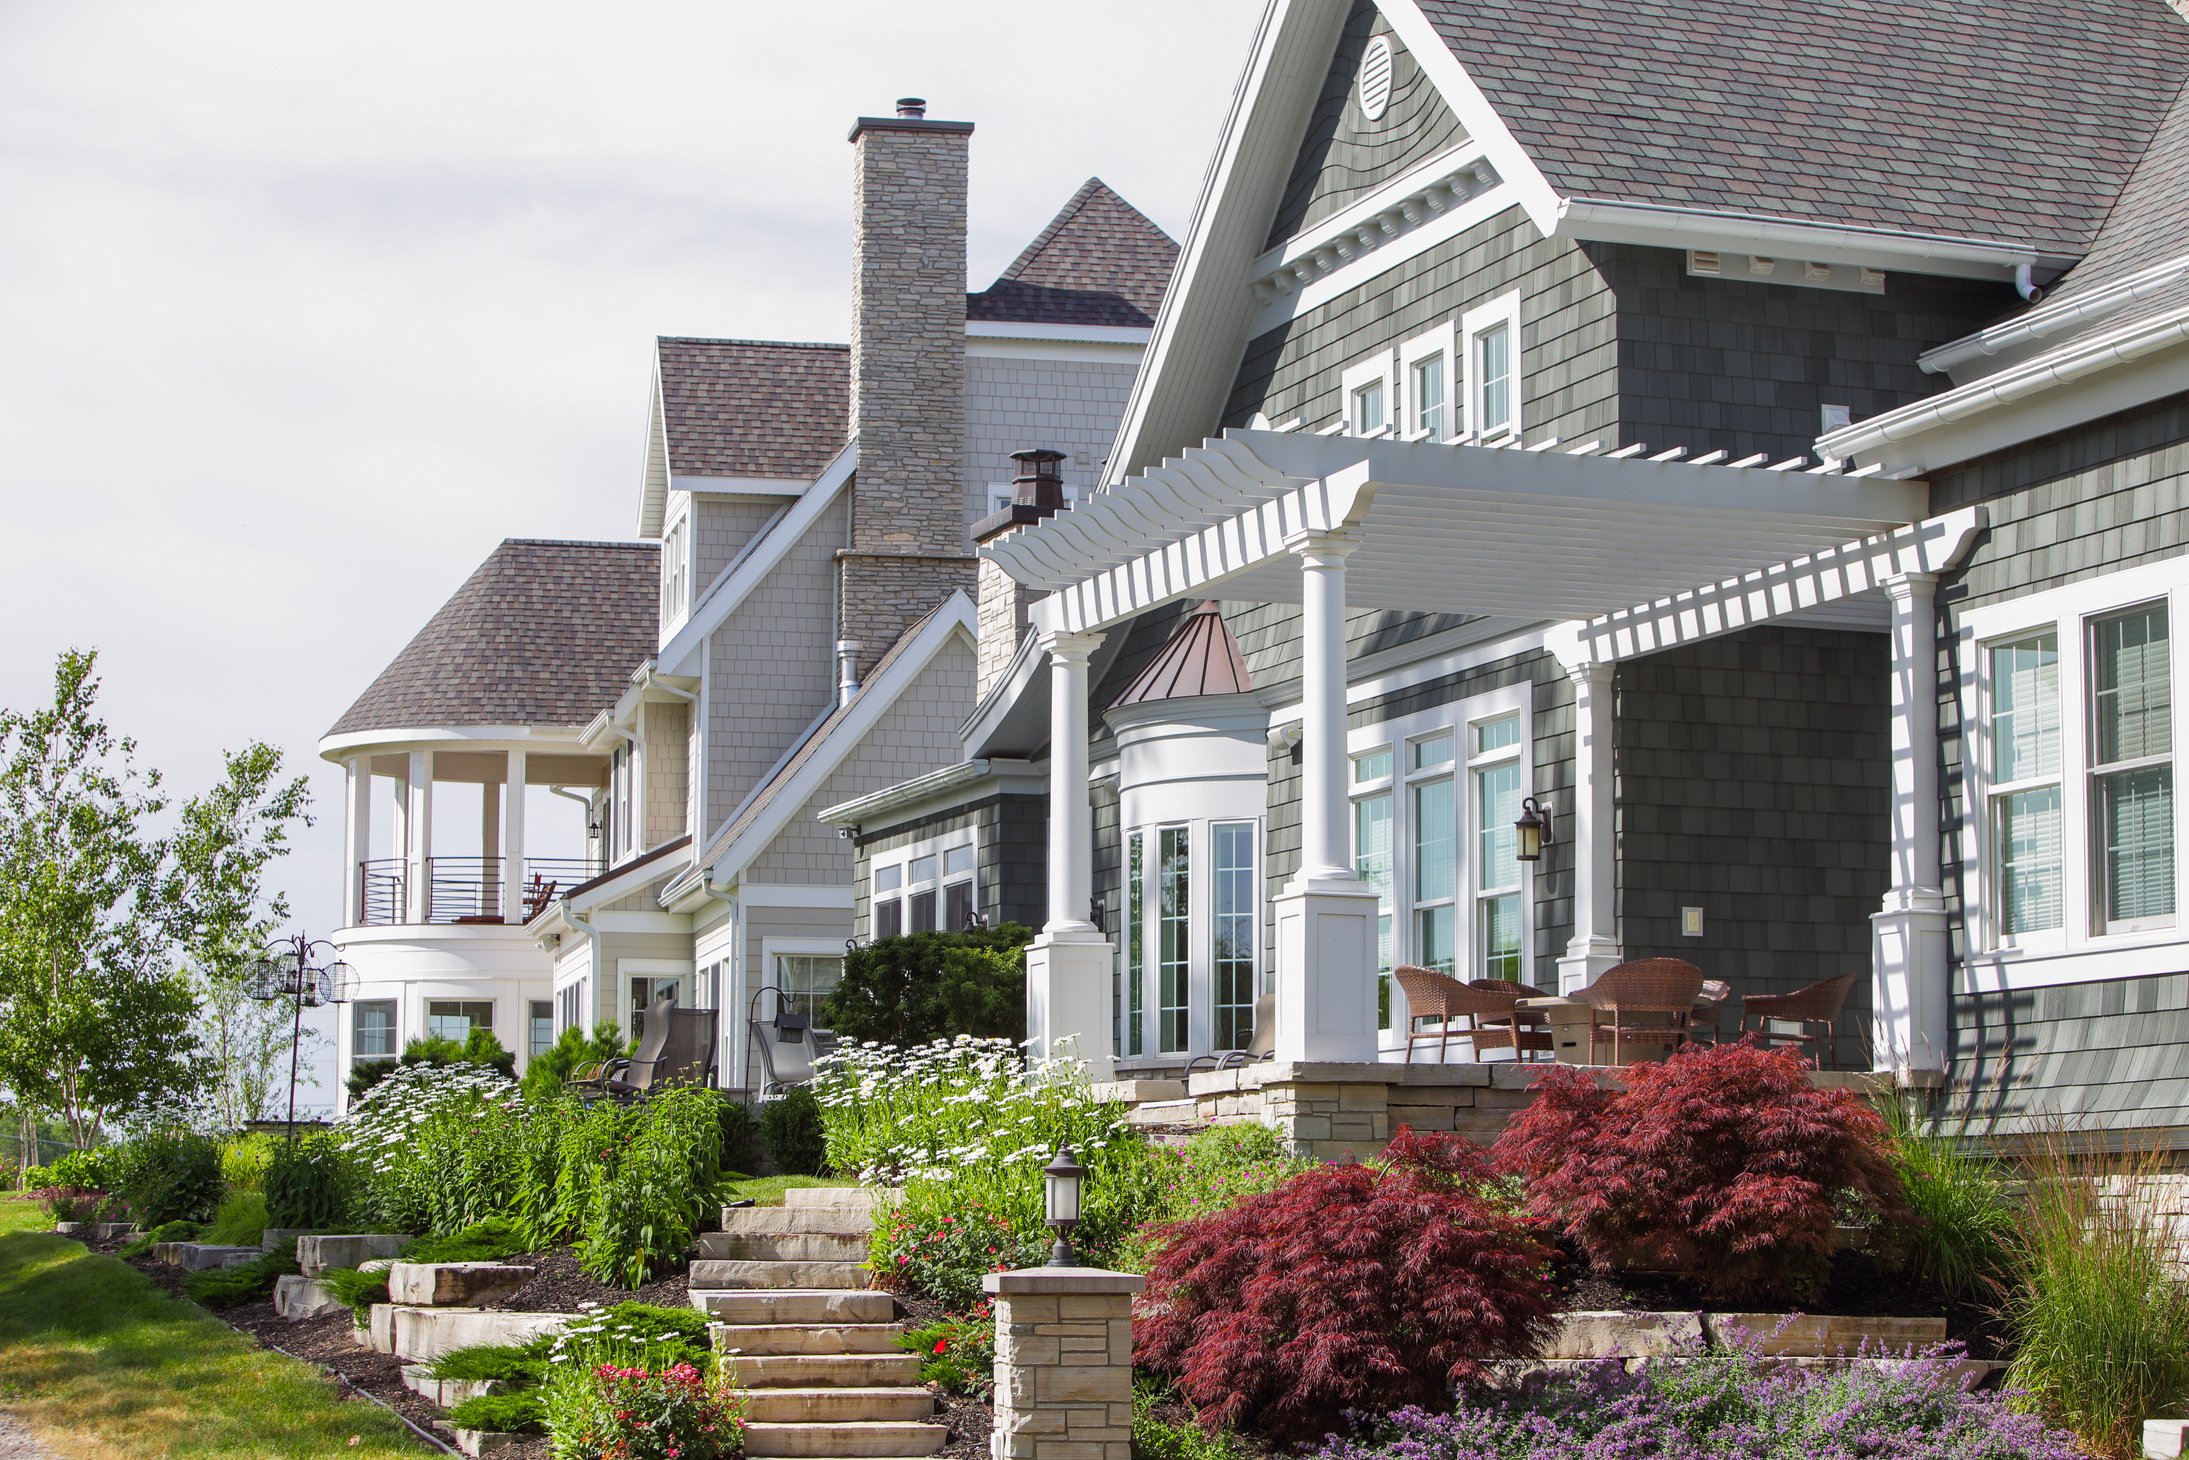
749, 569
740, 486
654, 473
875, 698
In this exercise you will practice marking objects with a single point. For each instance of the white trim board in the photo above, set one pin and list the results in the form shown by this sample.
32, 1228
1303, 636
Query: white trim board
784, 894
741, 486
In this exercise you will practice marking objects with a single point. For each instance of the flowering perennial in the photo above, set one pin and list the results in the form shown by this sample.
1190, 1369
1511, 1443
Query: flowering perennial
627, 1411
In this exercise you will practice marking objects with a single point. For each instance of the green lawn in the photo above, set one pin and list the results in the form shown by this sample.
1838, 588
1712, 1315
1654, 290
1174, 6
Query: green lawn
768, 1191
104, 1365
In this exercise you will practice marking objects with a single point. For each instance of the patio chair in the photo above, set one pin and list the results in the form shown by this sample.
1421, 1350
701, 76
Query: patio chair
1650, 1001
593, 1077
539, 893
686, 1057
1716, 991
1820, 1003
1437, 996
1262, 1046
1528, 1032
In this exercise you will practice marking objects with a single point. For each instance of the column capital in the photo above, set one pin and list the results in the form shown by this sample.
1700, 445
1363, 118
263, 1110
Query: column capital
1063, 644
1596, 673
1903, 587
1322, 549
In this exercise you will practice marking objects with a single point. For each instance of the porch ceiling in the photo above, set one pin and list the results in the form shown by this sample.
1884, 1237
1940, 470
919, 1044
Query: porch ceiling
1542, 533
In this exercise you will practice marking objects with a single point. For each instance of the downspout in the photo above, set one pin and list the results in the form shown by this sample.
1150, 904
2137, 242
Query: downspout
584, 925
2025, 283
727, 996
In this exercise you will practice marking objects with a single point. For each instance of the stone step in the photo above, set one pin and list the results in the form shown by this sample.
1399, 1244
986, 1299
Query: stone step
738, 1272
806, 1338
791, 1305
759, 1221
424, 1334
455, 1284
785, 1246
829, 1406
813, 1371
297, 1298
448, 1393
848, 1440
198, 1256
320, 1251
856, 1198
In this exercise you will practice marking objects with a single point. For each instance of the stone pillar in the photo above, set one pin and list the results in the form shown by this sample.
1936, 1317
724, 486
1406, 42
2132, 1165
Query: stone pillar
418, 824
1326, 916
1064, 1355
1909, 954
513, 840
1593, 827
1068, 964
357, 839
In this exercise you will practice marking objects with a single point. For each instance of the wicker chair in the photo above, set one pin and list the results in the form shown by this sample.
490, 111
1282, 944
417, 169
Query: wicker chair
1662, 991
1716, 991
1819, 1003
1527, 1032
1432, 995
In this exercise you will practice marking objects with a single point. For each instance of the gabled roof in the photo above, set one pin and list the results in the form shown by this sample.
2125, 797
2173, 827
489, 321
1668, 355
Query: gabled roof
1200, 658
2150, 223
1099, 262
541, 633
2015, 121
753, 408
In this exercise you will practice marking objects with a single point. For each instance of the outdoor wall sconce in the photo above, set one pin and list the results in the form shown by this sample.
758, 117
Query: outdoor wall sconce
1098, 913
1533, 829
1060, 1181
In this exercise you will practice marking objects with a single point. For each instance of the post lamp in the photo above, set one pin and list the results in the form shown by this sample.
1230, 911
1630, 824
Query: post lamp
1533, 830
288, 970
1061, 1180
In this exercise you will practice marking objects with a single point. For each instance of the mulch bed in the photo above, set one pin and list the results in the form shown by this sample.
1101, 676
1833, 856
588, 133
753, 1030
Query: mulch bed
562, 1287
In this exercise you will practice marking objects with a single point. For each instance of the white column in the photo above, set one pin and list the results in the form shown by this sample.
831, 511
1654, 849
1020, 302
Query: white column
1593, 829
490, 847
1326, 916
1909, 954
513, 842
1068, 963
357, 842
419, 823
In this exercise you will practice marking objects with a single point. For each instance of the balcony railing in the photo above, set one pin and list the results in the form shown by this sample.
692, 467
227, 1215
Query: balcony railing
462, 890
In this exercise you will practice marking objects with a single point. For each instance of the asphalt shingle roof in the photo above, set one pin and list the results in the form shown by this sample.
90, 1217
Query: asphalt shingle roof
541, 633
2014, 121
753, 408
2150, 223
1100, 261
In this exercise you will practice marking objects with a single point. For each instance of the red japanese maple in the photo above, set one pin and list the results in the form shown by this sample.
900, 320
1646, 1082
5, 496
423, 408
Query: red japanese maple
1719, 1164
1345, 1287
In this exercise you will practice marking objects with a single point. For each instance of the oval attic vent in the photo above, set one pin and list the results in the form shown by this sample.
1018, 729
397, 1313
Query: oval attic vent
1375, 84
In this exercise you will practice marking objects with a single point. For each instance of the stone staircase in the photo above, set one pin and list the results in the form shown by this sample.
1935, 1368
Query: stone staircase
799, 1329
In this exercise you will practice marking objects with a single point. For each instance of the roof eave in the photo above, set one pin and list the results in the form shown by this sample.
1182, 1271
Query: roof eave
1613, 220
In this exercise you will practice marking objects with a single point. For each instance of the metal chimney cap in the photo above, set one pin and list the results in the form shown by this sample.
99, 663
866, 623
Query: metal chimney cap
912, 108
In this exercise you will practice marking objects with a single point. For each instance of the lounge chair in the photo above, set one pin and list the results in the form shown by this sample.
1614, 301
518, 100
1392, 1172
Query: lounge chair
593, 1077
1650, 1001
1262, 1046
1820, 1003
786, 1043
686, 1056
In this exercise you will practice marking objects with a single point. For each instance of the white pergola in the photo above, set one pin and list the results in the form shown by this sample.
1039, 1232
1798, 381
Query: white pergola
1624, 553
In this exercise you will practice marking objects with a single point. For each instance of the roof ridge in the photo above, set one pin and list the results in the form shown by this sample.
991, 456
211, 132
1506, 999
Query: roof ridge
600, 542
761, 344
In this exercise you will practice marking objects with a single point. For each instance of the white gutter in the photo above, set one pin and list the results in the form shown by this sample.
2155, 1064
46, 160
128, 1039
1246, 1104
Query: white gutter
2052, 319
1610, 221
2016, 382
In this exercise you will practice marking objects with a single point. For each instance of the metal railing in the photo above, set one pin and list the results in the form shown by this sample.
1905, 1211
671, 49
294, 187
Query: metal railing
463, 889
383, 892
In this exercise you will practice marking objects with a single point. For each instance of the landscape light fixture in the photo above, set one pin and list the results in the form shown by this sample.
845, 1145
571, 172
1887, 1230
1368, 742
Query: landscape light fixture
308, 974
1061, 1180
1533, 829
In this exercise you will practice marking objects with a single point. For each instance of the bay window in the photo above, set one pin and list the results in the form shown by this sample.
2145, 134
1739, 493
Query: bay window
1190, 942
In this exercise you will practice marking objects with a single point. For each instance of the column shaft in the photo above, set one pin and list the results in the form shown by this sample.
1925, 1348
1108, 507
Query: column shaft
513, 840
1909, 954
1593, 827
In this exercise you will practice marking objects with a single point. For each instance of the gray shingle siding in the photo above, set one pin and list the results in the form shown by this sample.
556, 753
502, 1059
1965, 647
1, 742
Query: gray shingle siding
2103, 1057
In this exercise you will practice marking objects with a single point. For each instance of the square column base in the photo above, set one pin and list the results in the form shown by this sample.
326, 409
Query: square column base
1326, 970
1910, 970
1585, 961
1068, 976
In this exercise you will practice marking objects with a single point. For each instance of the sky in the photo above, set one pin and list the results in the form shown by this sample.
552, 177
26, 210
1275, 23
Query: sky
304, 308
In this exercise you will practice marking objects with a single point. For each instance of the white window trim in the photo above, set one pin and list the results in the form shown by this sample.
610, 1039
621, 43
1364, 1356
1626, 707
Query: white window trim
1441, 341
1458, 717
1504, 310
773, 948
1381, 369
677, 563
2078, 953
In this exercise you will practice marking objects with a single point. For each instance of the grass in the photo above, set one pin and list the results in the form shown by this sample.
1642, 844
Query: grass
21, 1214
92, 1352
767, 1191
1964, 1216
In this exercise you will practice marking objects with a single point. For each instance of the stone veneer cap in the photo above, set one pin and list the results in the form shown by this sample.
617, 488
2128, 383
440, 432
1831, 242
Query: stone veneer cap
905, 124
1062, 1281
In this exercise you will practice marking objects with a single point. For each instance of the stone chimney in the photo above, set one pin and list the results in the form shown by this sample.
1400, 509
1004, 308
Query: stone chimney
1036, 492
908, 548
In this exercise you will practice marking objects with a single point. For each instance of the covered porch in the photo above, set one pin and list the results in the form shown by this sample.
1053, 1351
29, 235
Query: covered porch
1596, 558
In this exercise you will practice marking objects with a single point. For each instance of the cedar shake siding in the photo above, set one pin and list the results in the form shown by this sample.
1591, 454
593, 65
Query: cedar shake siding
2105, 1057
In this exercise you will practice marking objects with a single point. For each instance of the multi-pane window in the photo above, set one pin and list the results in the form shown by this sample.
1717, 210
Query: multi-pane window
929, 892
570, 1005
1173, 939
455, 1018
1495, 767
806, 979
675, 555
1368, 409
957, 887
1135, 944
888, 903
1494, 369
921, 902
1236, 911
1372, 859
2131, 769
539, 1028
2025, 782
1428, 395
1435, 883
372, 1030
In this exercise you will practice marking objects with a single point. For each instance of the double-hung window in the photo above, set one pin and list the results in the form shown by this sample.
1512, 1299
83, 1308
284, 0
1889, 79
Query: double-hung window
2131, 770
1492, 353
1369, 392
1237, 909
806, 979
372, 1030
888, 915
925, 893
540, 1029
1494, 771
1173, 938
2025, 781
456, 1018
1372, 825
1428, 371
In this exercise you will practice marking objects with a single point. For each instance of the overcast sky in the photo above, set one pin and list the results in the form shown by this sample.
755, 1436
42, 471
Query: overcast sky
304, 308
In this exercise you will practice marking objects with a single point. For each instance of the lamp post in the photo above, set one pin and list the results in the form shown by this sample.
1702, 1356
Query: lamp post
287, 971
1061, 1180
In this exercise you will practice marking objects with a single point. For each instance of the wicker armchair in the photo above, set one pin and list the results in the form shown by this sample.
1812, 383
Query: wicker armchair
1650, 1001
1820, 1003
1432, 995
1527, 1032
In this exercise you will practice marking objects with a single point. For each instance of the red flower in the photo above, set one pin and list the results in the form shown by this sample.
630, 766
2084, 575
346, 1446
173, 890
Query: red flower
942, 1345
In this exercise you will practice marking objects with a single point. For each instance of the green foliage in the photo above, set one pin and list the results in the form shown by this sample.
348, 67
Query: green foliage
551, 1067
957, 1352
517, 1364
165, 1232
1963, 1218
311, 1183
790, 1130
487, 1241
101, 1168
739, 1136
922, 987
1164, 1428
241, 1221
2098, 1315
231, 1287
245, 1159
518, 1413
648, 1202
437, 1051
172, 1176
356, 1290
1216, 1169
647, 1334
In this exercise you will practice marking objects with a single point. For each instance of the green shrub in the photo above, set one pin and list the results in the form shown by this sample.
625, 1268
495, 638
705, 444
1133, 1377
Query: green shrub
518, 1413
518, 1364
790, 1129
1216, 1169
1165, 1428
311, 1183
2098, 1317
487, 1241
648, 1334
478, 1047
241, 1221
231, 1287
356, 1290
554, 1065
620, 1409
1963, 1218
957, 1352
649, 1198
920, 987
102, 1168
739, 1138
173, 1176
165, 1232
244, 1160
